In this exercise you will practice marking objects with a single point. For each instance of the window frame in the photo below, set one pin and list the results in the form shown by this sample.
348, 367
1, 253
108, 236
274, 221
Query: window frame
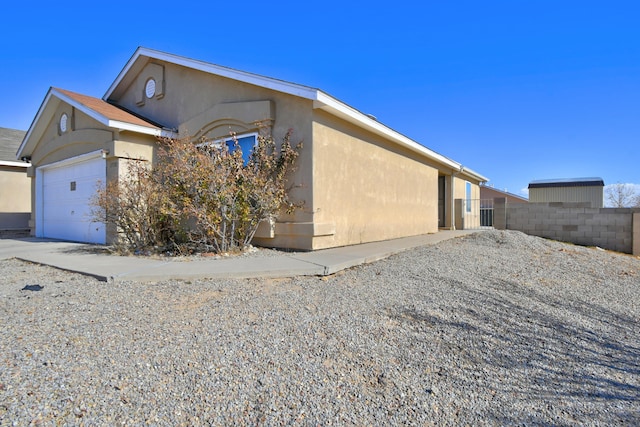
217, 143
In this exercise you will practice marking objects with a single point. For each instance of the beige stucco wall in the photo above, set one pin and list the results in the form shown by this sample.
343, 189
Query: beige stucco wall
86, 135
463, 218
15, 198
367, 189
83, 136
460, 185
355, 186
202, 105
15, 189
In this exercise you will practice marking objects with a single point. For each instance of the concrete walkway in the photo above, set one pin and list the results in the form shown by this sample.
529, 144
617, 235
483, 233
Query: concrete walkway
96, 262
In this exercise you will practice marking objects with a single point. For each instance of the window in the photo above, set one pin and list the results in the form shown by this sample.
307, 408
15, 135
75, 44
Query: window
245, 143
468, 196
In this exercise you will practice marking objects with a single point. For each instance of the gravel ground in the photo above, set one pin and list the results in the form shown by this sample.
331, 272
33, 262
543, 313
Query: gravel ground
496, 328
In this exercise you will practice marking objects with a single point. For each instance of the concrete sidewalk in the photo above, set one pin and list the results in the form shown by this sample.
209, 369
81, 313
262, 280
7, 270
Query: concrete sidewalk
94, 261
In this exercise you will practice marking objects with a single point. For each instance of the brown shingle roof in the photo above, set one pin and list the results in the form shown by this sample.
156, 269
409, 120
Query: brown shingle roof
105, 109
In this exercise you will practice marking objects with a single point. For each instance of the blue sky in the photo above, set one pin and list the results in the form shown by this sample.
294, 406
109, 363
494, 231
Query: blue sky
516, 90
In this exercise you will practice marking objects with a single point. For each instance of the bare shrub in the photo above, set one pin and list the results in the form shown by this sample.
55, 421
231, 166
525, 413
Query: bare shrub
199, 197
141, 213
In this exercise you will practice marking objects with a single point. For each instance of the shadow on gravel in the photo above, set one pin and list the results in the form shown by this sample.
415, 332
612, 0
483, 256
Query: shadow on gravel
89, 249
32, 288
540, 353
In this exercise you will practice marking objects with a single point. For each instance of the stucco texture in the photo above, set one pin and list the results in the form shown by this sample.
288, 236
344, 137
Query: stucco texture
203, 106
15, 198
367, 188
355, 182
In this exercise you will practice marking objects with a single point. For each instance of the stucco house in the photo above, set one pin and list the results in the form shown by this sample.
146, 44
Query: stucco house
360, 181
490, 193
15, 186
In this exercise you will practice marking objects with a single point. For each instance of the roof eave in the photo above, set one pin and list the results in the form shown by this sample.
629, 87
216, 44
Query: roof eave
319, 98
163, 133
27, 136
243, 76
116, 124
344, 111
14, 164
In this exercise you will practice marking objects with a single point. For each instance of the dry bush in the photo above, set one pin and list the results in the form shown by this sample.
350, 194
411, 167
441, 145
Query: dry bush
199, 197
142, 215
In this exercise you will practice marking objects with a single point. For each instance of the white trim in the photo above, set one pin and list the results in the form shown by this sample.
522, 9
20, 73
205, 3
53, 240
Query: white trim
243, 76
117, 124
39, 196
219, 141
148, 130
320, 100
352, 115
35, 120
340, 109
16, 164
71, 160
141, 129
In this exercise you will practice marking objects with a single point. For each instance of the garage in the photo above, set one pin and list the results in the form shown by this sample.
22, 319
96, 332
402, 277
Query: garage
66, 191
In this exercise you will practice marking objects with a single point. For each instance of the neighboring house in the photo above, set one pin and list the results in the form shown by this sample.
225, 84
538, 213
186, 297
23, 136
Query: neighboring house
577, 190
487, 197
15, 186
360, 181
491, 193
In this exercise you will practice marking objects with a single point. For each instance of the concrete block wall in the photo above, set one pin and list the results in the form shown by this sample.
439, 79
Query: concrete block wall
617, 229
636, 233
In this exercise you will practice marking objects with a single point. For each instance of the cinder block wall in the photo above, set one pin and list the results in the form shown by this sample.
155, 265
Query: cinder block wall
636, 233
579, 223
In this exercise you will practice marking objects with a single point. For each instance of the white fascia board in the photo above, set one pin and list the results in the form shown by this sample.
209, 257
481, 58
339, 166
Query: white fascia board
141, 129
72, 160
475, 175
319, 98
15, 164
35, 120
242, 76
352, 115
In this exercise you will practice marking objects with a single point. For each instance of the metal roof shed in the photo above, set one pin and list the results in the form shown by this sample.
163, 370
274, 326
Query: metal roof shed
574, 190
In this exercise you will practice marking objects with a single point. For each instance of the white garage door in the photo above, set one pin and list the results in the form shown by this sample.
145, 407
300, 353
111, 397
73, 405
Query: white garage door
66, 192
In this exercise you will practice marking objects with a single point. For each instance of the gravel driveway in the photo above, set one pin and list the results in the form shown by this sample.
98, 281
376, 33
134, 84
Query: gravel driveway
496, 328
